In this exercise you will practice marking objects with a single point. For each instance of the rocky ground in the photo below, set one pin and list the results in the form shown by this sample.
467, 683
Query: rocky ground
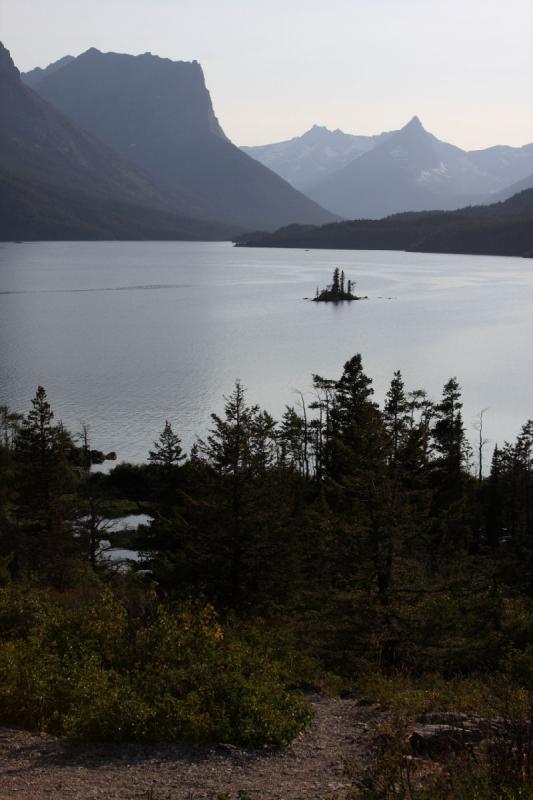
34, 766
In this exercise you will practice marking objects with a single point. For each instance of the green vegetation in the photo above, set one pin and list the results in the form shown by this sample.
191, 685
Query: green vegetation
77, 663
347, 546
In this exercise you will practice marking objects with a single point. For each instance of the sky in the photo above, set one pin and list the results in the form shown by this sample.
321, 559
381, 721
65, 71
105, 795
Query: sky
276, 67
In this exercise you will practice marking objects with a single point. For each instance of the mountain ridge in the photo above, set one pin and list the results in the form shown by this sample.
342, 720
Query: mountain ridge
304, 160
449, 176
158, 114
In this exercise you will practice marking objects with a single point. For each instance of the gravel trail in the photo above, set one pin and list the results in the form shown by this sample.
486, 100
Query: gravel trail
35, 766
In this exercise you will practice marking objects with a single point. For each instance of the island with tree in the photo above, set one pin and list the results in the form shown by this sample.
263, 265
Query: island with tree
338, 291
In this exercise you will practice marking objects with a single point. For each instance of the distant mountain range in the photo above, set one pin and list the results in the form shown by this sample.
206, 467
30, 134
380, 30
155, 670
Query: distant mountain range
106, 145
306, 160
404, 170
158, 115
504, 229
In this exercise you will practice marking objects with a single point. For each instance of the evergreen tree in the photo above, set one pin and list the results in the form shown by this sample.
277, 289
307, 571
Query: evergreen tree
167, 452
238, 456
396, 414
291, 440
352, 394
46, 482
449, 440
495, 502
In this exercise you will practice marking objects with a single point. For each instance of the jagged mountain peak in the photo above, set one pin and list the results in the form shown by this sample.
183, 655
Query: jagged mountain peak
147, 57
414, 130
415, 123
7, 65
317, 133
34, 76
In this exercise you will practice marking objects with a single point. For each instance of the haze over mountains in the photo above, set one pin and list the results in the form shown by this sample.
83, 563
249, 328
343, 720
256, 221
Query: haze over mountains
158, 114
404, 170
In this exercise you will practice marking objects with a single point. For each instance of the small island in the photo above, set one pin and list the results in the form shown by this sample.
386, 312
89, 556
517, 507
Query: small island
338, 291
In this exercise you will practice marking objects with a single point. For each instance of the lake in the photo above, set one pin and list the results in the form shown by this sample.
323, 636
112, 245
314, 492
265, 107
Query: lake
125, 335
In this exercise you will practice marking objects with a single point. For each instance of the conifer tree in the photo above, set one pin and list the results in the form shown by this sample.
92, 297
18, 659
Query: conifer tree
449, 438
396, 414
352, 393
46, 480
167, 452
290, 438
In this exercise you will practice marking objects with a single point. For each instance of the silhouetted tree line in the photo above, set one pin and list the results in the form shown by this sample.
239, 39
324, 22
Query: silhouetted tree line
366, 531
503, 229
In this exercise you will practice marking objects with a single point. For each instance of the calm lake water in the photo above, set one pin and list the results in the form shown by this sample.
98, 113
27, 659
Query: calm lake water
126, 335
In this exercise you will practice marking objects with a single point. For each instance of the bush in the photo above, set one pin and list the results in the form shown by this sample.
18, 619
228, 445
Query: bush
75, 664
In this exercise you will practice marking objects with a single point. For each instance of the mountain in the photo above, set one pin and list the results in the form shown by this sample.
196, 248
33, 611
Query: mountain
306, 160
158, 114
34, 211
505, 166
33, 77
57, 181
409, 169
504, 229
515, 188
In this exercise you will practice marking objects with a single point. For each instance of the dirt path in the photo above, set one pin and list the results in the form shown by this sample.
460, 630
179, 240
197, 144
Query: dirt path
33, 766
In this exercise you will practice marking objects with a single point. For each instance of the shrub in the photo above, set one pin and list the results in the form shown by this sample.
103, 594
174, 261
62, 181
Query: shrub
74, 664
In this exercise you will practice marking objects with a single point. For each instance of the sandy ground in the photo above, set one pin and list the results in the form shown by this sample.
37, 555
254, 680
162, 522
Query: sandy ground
34, 766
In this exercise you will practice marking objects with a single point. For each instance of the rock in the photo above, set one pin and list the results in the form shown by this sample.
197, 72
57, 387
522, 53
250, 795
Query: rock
442, 718
112, 456
434, 740
477, 727
96, 456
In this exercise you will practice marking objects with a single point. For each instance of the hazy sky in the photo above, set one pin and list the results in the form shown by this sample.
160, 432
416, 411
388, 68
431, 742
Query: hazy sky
275, 67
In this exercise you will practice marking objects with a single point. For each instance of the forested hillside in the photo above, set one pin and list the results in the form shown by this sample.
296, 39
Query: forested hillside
502, 229
344, 546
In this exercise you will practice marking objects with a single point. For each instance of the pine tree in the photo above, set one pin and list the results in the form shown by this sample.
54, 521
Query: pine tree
45, 480
291, 440
352, 392
396, 414
167, 452
449, 438
229, 449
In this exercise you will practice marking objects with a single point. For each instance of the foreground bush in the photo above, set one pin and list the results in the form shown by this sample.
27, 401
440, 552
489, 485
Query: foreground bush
75, 664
